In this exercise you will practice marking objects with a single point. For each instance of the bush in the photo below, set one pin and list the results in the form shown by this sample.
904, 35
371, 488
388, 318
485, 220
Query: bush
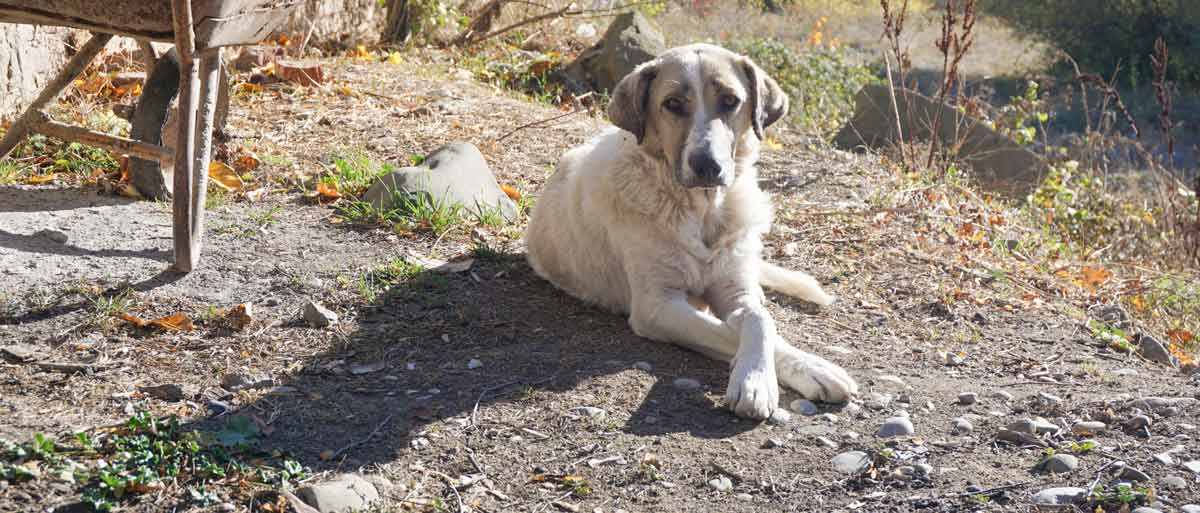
821, 82
1102, 34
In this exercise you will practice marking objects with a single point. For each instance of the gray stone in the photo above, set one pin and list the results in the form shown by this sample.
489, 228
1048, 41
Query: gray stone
1002, 395
999, 163
590, 412
1023, 426
890, 379
804, 407
924, 469
1175, 482
1193, 466
168, 391
1061, 496
455, 174
1145, 509
22, 352
1137, 422
827, 442
1042, 426
773, 443
1189, 508
1152, 349
1059, 464
1088, 428
967, 398
1112, 315
896, 426
235, 381
52, 235
343, 494
318, 316
631, 39
851, 462
878, 401
686, 384
1125, 372
1165, 458
780, 417
962, 426
643, 366
1019, 438
744, 497
721, 484
1161, 404
1048, 399
1132, 474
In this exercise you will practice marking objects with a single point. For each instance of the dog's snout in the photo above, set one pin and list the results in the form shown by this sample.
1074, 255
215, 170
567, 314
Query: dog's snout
705, 166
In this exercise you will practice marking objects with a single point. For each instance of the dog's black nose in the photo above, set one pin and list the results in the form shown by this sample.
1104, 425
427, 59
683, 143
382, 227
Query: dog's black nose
705, 166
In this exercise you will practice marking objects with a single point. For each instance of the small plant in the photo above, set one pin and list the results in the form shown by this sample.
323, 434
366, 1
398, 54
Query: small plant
352, 173
1112, 336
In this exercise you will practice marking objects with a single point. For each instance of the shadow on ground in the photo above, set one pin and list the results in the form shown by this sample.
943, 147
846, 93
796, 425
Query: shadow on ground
529, 336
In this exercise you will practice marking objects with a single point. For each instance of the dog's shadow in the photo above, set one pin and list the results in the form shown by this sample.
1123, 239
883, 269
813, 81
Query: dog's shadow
480, 349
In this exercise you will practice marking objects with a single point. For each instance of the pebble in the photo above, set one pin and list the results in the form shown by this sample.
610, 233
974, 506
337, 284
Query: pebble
827, 442
1137, 422
878, 401
1049, 399
228, 506
962, 426
773, 443
1193, 466
1125, 372
686, 384
1002, 395
851, 462
839, 350
1061, 496
967, 398
1145, 509
53, 235
1133, 474
852, 409
474, 363
896, 426
744, 497
1023, 426
780, 417
1088, 428
236, 381
348, 492
1041, 426
1059, 464
904, 473
1189, 508
1174, 482
1154, 350
318, 316
589, 412
895, 380
1165, 458
924, 469
721, 484
804, 407
643, 366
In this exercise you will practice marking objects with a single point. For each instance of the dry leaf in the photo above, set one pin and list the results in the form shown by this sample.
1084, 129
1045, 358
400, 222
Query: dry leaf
127, 190
512, 192
1092, 276
395, 58
239, 316
248, 88
224, 176
175, 322
246, 162
771, 144
1181, 336
41, 179
327, 192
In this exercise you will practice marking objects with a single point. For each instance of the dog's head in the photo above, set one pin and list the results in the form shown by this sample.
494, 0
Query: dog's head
697, 107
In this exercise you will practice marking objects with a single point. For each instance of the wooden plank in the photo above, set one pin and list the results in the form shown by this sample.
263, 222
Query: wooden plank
210, 81
21, 127
131, 147
185, 147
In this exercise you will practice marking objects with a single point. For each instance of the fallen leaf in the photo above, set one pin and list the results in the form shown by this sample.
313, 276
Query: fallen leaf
248, 88
327, 192
246, 162
512, 192
395, 58
1092, 276
41, 179
129, 191
771, 144
174, 322
239, 316
224, 176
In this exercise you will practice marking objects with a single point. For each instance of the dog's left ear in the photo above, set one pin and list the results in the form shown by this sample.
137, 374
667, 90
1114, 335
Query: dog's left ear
627, 107
768, 103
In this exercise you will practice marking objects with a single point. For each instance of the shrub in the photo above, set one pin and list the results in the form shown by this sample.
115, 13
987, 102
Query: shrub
820, 82
1102, 34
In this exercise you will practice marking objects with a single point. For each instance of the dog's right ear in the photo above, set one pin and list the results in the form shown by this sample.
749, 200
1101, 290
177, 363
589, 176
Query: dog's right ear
627, 108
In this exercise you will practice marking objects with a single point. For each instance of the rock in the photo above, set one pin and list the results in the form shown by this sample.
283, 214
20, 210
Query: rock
167, 392
721, 484
1002, 395
22, 352
1137, 422
896, 426
1175, 482
773, 443
358, 369
590, 412
1088, 428
1189, 508
343, 494
804, 407
780, 417
643, 366
52, 235
318, 316
999, 163
1042, 426
1112, 315
585, 31
1019, 438
474, 363
878, 401
827, 442
1193, 466
890, 379
235, 381
686, 384
1048, 399
455, 174
744, 497
967, 398
840, 350
631, 39
1162, 404
1059, 464
1132, 474
1125, 372
1165, 458
851, 462
923, 469
1151, 349
1061, 496
962, 426
852, 409
1145, 509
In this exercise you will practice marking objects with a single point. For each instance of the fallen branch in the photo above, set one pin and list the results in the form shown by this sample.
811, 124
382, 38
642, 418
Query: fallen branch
370, 435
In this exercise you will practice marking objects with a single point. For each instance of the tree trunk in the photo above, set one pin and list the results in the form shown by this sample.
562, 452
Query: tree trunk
398, 27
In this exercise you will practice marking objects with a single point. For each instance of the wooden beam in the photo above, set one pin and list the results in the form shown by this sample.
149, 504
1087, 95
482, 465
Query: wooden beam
21, 127
186, 252
131, 147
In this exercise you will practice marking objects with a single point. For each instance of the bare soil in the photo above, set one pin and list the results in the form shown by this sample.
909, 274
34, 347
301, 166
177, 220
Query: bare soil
390, 383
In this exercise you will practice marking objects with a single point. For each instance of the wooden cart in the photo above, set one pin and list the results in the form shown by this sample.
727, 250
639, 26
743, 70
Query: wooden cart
198, 28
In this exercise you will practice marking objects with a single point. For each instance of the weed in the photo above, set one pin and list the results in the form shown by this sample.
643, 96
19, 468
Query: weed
489, 215
106, 305
353, 172
416, 211
276, 160
9, 172
264, 218
382, 278
215, 198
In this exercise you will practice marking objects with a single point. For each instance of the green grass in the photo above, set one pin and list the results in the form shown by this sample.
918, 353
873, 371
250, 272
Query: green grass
9, 172
354, 171
378, 280
275, 160
413, 211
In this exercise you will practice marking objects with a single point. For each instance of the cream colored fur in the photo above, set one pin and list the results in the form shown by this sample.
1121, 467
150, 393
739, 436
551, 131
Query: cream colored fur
615, 227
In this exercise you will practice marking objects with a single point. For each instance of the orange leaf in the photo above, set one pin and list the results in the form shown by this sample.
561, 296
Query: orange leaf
1092, 276
1181, 336
174, 322
327, 191
1138, 303
246, 162
239, 316
41, 179
512, 192
224, 176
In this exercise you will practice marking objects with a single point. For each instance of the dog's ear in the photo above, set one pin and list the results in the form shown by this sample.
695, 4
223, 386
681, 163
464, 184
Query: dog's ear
768, 103
627, 108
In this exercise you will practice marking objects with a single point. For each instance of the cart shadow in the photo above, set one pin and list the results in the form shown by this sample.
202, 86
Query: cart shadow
406, 366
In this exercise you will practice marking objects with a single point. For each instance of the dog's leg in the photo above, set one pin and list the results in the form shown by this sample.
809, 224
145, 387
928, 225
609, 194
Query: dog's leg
814, 377
667, 316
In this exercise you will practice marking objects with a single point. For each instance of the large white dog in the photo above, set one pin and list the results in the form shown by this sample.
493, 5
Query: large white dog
663, 218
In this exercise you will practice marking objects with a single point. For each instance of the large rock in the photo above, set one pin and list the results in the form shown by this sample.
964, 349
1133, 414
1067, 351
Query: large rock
631, 39
999, 163
343, 494
29, 58
455, 173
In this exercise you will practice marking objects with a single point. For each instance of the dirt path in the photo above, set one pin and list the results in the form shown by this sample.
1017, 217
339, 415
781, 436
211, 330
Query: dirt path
485, 372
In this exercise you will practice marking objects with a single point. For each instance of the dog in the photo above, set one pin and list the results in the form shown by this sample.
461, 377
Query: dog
661, 218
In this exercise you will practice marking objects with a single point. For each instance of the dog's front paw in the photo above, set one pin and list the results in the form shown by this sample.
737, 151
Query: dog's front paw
817, 378
753, 390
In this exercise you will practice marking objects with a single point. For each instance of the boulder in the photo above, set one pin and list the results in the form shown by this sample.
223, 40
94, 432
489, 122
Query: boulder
631, 39
455, 173
999, 164
343, 494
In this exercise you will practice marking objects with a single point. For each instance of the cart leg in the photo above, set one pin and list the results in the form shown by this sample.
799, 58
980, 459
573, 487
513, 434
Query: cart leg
22, 126
187, 253
210, 78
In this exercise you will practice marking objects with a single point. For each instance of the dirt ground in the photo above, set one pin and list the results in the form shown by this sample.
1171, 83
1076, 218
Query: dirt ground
391, 391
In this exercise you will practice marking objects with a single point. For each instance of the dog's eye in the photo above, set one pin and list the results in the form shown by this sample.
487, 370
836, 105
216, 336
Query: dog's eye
674, 105
730, 102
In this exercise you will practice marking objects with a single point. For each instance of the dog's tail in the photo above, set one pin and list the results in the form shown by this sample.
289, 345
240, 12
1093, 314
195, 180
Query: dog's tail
793, 283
